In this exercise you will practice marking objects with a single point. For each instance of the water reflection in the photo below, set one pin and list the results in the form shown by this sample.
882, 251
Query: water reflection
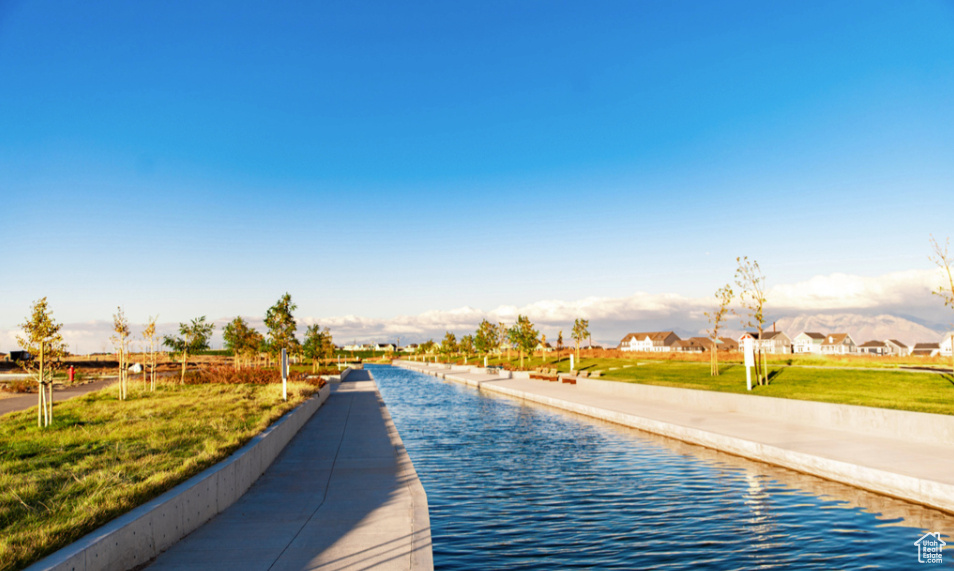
517, 486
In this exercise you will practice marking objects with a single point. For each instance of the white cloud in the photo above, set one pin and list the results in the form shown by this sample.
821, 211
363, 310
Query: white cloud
900, 290
907, 293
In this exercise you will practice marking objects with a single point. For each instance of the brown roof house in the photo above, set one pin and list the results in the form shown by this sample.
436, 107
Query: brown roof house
650, 342
926, 349
874, 348
896, 347
838, 344
770, 342
693, 345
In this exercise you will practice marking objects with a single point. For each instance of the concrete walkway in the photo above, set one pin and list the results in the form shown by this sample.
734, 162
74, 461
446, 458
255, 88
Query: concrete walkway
23, 402
905, 468
342, 495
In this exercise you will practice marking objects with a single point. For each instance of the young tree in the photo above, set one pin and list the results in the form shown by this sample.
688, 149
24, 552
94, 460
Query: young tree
486, 339
149, 335
282, 326
449, 344
466, 344
559, 346
327, 344
120, 341
945, 291
523, 336
503, 338
427, 347
751, 283
314, 346
581, 330
242, 340
192, 337
41, 338
724, 296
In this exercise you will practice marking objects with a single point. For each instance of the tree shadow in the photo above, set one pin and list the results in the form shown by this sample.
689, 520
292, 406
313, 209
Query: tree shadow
774, 375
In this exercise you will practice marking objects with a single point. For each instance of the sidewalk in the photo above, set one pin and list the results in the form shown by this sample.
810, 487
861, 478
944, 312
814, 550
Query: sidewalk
342, 495
23, 402
915, 471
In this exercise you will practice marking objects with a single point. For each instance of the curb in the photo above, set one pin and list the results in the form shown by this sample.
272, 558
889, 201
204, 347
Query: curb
138, 536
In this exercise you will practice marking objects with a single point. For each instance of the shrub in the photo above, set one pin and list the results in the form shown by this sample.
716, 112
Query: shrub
247, 376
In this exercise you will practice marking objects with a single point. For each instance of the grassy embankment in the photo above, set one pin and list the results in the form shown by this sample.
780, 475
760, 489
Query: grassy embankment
857, 380
102, 457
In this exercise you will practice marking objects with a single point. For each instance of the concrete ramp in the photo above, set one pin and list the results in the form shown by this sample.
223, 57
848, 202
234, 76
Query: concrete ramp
342, 495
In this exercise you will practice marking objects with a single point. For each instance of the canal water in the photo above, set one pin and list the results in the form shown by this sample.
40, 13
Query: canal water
519, 486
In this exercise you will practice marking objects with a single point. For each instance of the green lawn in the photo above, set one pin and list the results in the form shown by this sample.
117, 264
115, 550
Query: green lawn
102, 457
921, 392
810, 378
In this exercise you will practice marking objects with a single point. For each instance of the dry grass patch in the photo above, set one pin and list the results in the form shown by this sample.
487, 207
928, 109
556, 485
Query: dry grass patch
101, 457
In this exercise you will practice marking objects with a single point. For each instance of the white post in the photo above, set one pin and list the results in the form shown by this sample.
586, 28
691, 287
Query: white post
485, 361
284, 374
571, 361
748, 346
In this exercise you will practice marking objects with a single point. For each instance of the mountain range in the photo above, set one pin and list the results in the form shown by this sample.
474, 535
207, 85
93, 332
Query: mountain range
861, 327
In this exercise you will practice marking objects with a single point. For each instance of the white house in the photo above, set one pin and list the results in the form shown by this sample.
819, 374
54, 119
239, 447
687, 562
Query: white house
653, 341
946, 344
808, 342
838, 344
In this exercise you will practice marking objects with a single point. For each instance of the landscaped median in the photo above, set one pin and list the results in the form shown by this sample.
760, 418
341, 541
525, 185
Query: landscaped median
103, 457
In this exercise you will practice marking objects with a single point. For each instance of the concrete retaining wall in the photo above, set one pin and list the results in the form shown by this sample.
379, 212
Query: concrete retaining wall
911, 426
143, 533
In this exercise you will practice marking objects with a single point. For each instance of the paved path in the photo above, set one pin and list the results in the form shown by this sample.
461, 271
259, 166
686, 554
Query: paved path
917, 471
23, 402
342, 495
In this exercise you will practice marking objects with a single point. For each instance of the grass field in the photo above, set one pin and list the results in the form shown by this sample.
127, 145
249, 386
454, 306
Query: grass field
102, 457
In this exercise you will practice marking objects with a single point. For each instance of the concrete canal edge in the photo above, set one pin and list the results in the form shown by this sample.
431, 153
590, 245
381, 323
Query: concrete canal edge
910, 426
141, 534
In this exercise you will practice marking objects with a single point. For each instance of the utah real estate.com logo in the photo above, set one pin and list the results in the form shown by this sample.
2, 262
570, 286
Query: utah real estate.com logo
929, 548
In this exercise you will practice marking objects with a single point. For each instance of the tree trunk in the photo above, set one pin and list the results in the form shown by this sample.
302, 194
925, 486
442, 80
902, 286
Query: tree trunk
49, 404
40, 406
182, 376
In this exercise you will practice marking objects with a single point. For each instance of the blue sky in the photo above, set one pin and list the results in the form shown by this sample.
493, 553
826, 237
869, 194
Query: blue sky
389, 159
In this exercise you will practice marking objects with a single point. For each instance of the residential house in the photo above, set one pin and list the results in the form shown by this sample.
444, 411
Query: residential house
728, 344
808, 342
386, 347
770, 342
897, 348
541, 347
945, 343
412, 348
838, 344
926, 349
650, 342
693, 345
874, 348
